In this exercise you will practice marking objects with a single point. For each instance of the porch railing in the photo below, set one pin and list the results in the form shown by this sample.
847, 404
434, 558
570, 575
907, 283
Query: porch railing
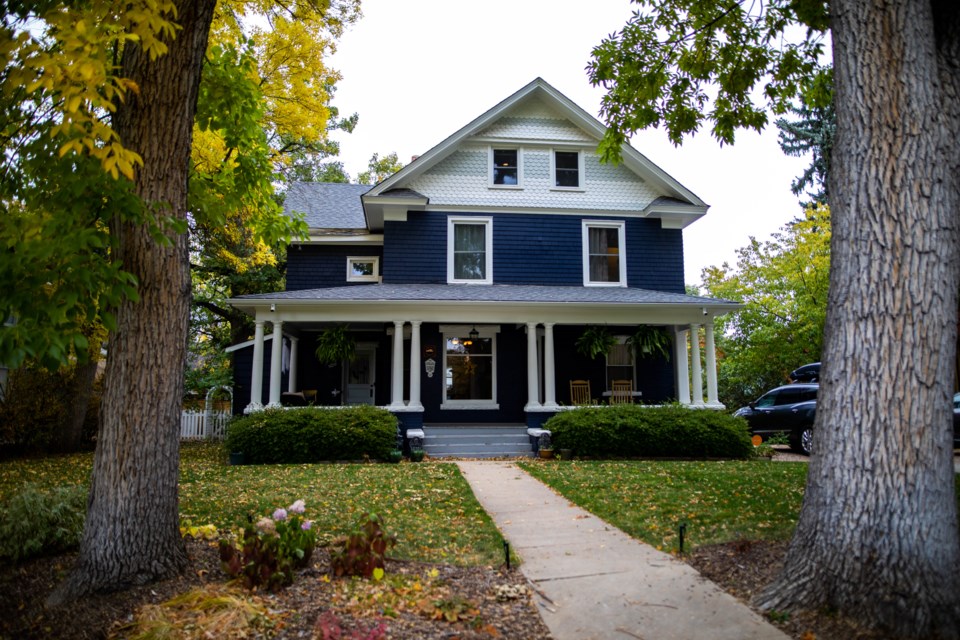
199, 425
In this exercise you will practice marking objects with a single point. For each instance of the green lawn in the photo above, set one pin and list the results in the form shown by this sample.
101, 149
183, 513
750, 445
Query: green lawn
435, 516
718, 501
428, 506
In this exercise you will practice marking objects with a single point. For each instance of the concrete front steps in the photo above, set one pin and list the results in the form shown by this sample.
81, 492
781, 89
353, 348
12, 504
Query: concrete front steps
476, 441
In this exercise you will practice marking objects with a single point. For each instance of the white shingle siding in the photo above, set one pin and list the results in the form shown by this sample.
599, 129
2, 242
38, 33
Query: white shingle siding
461, 180
533, 120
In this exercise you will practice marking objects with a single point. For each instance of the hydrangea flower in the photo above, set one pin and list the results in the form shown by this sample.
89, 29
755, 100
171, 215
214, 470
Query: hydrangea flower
298, 507
280, 515
266, 525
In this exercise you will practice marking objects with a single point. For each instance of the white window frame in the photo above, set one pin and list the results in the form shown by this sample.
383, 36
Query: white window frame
487, 222
458, 331
519, 151
581, 174
621, 227
375, 277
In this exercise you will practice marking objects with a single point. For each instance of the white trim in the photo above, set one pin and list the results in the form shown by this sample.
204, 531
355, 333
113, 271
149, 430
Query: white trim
505, 147
581, 172
621, 227
337, 236
244, 345
460, 330
374, 277
487, 222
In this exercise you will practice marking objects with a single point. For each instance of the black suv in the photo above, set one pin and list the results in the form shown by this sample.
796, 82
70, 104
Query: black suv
789, 409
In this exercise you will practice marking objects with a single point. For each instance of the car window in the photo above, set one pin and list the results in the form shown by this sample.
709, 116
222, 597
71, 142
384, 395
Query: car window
788, 396
808, 394
767, 399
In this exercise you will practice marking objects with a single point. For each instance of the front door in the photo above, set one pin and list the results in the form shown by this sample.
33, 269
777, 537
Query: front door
361, 377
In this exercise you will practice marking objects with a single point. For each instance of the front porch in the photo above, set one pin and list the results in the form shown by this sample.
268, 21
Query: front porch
458, 355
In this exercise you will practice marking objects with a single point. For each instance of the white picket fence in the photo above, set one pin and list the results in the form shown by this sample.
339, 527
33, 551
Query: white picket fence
194, 424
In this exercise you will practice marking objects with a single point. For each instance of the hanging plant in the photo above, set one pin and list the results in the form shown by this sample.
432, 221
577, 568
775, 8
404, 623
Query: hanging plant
595, 341
335, 345
649, 342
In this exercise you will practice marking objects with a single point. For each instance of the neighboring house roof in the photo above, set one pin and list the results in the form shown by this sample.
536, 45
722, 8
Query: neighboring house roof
327, 205
565, 302
686, 206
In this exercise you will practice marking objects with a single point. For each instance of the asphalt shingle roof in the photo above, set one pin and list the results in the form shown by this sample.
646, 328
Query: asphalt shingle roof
327, 205
488, 293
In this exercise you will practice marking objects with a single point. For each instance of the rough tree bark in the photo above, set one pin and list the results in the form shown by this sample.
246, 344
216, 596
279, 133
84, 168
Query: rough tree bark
131, 534
877, 536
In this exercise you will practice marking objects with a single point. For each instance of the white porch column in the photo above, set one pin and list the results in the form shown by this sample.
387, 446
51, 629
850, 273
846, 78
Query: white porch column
415, 365
276, 359
533, 384
292, 377
549, 368
696, 377
396, 378
256, 374
711, 355
683, 371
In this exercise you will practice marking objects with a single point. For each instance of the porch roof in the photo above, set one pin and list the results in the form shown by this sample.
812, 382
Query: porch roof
486, 303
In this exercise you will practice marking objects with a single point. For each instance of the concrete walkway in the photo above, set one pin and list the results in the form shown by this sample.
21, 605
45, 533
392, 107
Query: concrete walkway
594, 581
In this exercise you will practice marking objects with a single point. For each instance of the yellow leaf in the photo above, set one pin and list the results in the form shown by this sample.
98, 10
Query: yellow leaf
378, 574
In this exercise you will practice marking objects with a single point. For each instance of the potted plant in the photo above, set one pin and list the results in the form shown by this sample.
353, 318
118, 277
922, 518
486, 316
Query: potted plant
416, 455
546, 453
336, 345
595, 341
649, 341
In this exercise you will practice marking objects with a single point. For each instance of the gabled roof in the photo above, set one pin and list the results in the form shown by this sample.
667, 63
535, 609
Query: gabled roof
327, 205
690, 207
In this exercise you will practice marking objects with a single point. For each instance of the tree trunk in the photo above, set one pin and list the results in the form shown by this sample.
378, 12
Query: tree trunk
877, 537
131, 534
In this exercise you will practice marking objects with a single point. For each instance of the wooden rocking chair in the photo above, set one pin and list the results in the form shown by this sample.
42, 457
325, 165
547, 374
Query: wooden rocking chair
580, 392
621, 392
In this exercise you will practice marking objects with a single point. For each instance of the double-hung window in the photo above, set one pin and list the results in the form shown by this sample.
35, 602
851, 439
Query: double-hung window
567, 169
506, 169
620, 362
470, 250
604, 259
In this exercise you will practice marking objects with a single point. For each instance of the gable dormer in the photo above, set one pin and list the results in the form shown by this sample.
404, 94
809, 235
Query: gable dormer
534, 152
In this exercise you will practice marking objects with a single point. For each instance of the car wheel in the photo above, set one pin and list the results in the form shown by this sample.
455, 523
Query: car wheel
802, 441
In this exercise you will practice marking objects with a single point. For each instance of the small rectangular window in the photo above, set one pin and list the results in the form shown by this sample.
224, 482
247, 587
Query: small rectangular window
506, 167
566, 169
363, 269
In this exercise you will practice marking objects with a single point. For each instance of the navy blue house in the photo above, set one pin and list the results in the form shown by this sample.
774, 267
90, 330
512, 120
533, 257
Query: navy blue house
467, 277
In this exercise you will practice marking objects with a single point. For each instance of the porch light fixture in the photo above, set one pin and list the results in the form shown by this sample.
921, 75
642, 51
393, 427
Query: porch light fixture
474, 334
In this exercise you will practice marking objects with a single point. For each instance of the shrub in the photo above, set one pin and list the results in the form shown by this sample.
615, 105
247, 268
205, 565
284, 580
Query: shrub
312, 434
632, 431
38, 522
271, 550
364, 550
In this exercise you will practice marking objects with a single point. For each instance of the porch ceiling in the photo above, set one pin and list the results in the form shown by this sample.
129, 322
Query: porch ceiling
482, 303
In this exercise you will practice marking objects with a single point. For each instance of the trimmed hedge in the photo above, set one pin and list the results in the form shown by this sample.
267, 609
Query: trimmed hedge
312, 434
633, 431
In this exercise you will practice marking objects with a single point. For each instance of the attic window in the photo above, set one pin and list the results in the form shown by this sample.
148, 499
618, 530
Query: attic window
567, 169
505, 167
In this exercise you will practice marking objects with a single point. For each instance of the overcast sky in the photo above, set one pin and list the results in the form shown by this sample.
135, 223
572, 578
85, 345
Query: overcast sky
419, 70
